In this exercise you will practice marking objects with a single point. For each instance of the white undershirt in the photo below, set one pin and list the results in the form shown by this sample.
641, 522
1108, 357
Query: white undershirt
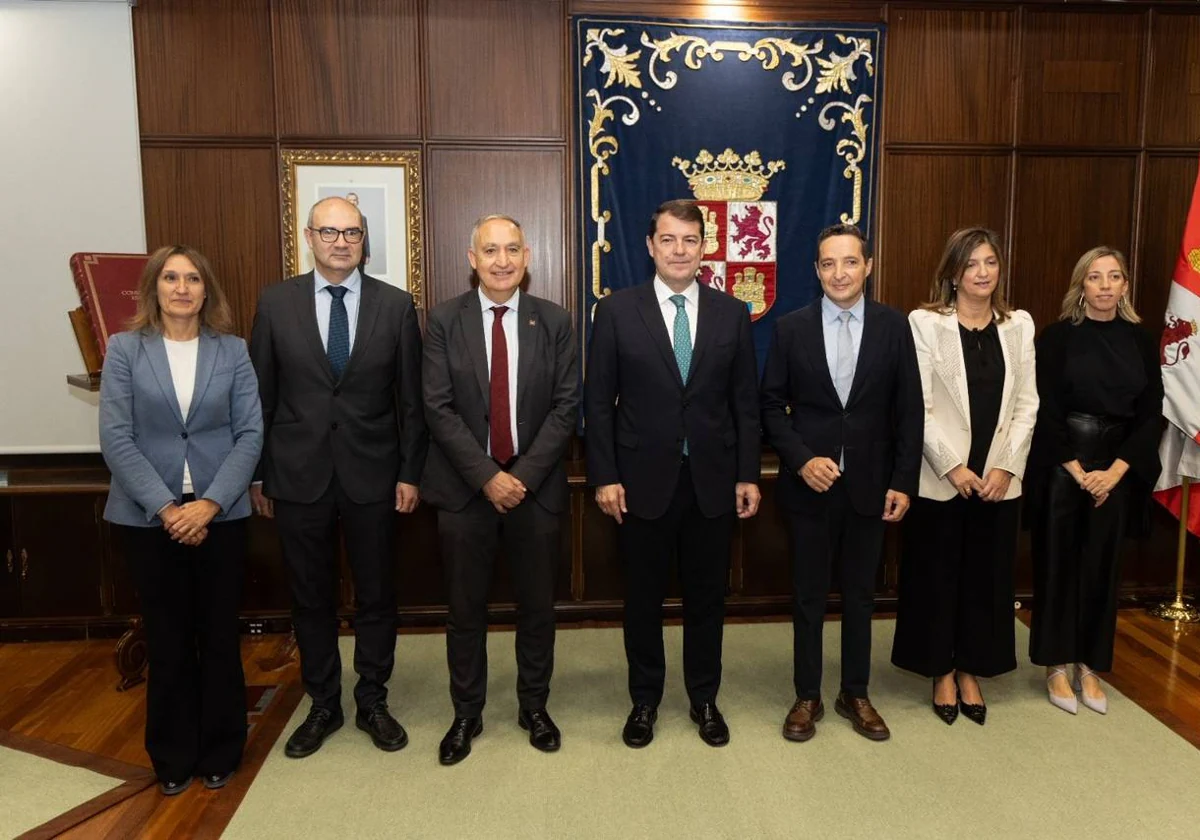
181, 356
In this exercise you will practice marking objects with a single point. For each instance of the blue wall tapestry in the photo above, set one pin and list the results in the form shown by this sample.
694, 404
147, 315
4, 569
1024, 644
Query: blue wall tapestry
771, 128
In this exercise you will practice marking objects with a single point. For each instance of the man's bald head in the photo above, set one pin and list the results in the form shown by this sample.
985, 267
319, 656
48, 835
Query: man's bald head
331, 202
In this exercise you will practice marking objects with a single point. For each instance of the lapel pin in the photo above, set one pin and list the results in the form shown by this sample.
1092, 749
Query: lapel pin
532, 322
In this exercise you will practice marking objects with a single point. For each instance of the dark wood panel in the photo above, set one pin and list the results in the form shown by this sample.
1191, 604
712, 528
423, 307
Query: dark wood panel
10, 573
57, 554
930, 102
348, 69
224, 202
1081, 79
465, 184
1173, 96
847, 11
495, 69
204, 67
1166, 196
928, 197
1066, 205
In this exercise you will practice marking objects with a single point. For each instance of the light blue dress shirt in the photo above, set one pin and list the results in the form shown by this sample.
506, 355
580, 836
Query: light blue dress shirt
829, 319
353, 287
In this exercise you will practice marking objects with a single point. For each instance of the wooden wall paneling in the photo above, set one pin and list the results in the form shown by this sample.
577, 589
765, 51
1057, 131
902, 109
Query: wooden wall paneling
766, 549
1081, 79
1173, 95
349, 69
950, 75
225, 203
204, 67
495, 69
847, 11
929, 196
603, 578
464, 184
1166, 196
1066, 205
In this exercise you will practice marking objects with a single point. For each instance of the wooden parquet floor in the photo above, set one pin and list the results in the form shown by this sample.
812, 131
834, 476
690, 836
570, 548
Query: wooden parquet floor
63, 694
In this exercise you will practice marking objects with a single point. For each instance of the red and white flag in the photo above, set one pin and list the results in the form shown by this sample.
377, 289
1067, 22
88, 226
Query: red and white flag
1179, 353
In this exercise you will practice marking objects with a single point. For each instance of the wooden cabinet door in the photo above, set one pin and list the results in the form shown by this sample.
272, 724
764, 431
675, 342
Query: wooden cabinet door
10, 589
58, 555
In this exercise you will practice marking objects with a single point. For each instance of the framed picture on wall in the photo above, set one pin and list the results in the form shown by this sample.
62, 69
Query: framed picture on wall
386, 188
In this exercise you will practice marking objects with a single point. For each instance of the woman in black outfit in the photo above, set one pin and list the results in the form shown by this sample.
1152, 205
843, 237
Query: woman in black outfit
1096, 457
955, 616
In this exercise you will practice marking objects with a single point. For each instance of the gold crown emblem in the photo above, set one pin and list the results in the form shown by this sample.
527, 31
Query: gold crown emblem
729, 176
1193, 259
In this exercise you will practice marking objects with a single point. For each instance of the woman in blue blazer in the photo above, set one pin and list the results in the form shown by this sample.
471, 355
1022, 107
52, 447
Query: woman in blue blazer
181, 432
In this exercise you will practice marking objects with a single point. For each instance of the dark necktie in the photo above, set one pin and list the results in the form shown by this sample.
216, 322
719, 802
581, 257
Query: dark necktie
338, 347
501, 413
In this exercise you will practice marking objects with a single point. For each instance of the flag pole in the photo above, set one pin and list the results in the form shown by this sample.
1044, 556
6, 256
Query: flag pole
1179, 609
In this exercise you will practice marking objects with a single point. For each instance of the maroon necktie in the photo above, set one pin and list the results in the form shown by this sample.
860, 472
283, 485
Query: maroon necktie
501, 430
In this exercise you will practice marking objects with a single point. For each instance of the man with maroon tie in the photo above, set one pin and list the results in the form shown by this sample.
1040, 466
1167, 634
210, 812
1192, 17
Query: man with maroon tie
501, 395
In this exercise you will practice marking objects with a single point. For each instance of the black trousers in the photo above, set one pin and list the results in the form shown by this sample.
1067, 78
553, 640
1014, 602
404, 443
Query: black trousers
195, 690
469, 539
826, 537
956, 588
647, 548
1076, 566
309, 536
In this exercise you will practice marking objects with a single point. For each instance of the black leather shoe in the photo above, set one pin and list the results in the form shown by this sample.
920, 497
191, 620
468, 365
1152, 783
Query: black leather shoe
947, 712
175, 788
216, 781
639, 727
713, 730
308, 737
973, 711
457, 744
385, 731
543, 734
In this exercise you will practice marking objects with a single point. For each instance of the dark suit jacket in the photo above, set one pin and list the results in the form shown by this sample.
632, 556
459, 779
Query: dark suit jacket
367, 426
457, 397
881, 426
639, 410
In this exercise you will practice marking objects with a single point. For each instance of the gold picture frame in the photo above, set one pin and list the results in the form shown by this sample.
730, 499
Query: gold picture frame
388, 188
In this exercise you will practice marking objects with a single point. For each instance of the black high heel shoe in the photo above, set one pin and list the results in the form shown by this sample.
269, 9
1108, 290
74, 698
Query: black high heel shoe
947, 713
976, 712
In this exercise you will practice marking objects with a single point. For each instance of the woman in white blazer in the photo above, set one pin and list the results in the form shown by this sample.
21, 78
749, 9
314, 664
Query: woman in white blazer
955, 615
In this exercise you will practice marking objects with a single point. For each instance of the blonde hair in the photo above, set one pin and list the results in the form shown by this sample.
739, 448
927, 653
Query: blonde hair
215, 313
943, 294
1073, 308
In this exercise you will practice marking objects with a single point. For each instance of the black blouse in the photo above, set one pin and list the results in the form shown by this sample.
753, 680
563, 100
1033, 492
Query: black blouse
1106, 368
984, 360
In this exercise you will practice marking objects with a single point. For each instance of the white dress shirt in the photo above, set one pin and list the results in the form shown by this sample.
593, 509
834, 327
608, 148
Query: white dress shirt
691, 306
353, 286
509, 324
181, 358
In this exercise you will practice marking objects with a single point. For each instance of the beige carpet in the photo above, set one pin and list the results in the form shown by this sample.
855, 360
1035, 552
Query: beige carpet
34, 790
1031, 772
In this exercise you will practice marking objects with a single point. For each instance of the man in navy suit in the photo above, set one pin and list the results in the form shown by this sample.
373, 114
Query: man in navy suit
338, 357
841, 405
673, 451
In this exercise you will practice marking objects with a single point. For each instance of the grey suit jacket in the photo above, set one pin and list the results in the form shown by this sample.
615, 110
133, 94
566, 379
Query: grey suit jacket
457, 395
145, 438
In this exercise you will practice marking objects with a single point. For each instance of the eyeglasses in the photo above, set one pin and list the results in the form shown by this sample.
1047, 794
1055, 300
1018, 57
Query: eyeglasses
352, 235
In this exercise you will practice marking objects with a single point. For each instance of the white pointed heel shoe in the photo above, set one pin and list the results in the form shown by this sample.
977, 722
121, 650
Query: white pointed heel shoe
1100, 704
1067, 704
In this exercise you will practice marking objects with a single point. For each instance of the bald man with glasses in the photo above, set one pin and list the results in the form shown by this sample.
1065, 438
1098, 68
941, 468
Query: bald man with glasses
338, 357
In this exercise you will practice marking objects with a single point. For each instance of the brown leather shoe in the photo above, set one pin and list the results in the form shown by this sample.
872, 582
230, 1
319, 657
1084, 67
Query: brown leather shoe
860, 712
800, 723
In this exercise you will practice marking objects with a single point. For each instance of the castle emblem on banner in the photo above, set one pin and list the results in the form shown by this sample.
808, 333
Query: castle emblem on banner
739, 228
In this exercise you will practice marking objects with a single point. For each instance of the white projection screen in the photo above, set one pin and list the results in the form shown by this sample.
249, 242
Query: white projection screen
70, 180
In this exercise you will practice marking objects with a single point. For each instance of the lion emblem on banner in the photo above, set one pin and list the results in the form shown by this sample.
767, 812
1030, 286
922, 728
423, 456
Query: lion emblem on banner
1174, 347
740, 255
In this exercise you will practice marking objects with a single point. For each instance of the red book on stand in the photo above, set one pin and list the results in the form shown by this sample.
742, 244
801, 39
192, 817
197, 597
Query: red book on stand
107, 285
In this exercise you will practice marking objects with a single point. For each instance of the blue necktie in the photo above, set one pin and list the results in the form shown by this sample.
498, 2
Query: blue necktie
338, 348
683, 343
